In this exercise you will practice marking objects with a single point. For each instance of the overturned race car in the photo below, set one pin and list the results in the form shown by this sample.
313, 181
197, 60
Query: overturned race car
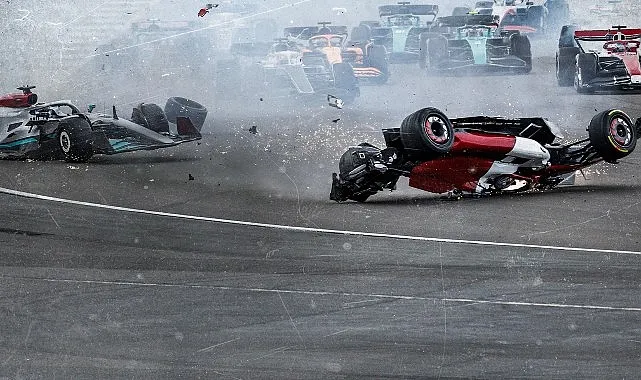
479, 155
59, 130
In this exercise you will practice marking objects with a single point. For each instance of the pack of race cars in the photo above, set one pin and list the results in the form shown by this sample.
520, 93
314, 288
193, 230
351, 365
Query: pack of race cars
493, 36
473, 155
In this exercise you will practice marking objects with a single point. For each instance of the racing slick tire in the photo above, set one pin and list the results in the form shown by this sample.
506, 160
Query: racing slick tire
427, 132
345, 80
612, 134
150, 116
537, 18
177, 106
566, 65
521, 48
586, 69
377, 57
435, 48
75, 140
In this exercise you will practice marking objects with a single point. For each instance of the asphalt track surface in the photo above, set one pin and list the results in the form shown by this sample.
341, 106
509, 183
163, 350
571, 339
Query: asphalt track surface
138, 265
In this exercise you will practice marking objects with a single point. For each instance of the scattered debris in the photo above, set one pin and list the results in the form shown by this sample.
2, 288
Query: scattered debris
203, 11
335, 101
253, 130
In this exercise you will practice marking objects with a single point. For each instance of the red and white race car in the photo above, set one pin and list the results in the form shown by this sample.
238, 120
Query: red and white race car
479, 155
525, 16
599, 59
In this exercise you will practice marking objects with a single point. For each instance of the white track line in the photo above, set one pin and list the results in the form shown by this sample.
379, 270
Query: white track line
340, 294
309, 229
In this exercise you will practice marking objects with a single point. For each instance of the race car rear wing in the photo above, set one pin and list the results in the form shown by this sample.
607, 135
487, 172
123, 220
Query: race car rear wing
617, 33
405, 8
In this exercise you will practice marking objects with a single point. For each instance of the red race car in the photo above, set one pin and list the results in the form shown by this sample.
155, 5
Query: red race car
479, 155
606, 59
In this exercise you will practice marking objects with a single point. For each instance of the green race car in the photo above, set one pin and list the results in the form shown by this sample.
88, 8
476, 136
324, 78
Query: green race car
400, 28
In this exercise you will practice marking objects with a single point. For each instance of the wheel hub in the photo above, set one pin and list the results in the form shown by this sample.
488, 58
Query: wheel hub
65, 142
621, 132
436, 130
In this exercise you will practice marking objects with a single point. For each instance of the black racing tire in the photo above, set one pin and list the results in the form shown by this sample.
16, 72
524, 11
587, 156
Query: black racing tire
566, 38
612, 134
177, 106
361, 33
75, 140
346, 81
437, 47
377, 58
521, 48
150, 116
537, 18
566, 65
427, 132
585, 72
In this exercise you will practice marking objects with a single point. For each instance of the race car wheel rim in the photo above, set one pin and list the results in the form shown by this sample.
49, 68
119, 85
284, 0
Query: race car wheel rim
65, 142
621, 132
436, 130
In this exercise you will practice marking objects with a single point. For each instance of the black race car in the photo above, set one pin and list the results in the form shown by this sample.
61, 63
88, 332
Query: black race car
59, 130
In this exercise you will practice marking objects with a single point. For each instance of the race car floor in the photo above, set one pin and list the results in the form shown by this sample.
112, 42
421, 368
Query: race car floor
226, 259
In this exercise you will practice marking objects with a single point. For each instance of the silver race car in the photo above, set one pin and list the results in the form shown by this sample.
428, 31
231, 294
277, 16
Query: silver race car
59, 130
